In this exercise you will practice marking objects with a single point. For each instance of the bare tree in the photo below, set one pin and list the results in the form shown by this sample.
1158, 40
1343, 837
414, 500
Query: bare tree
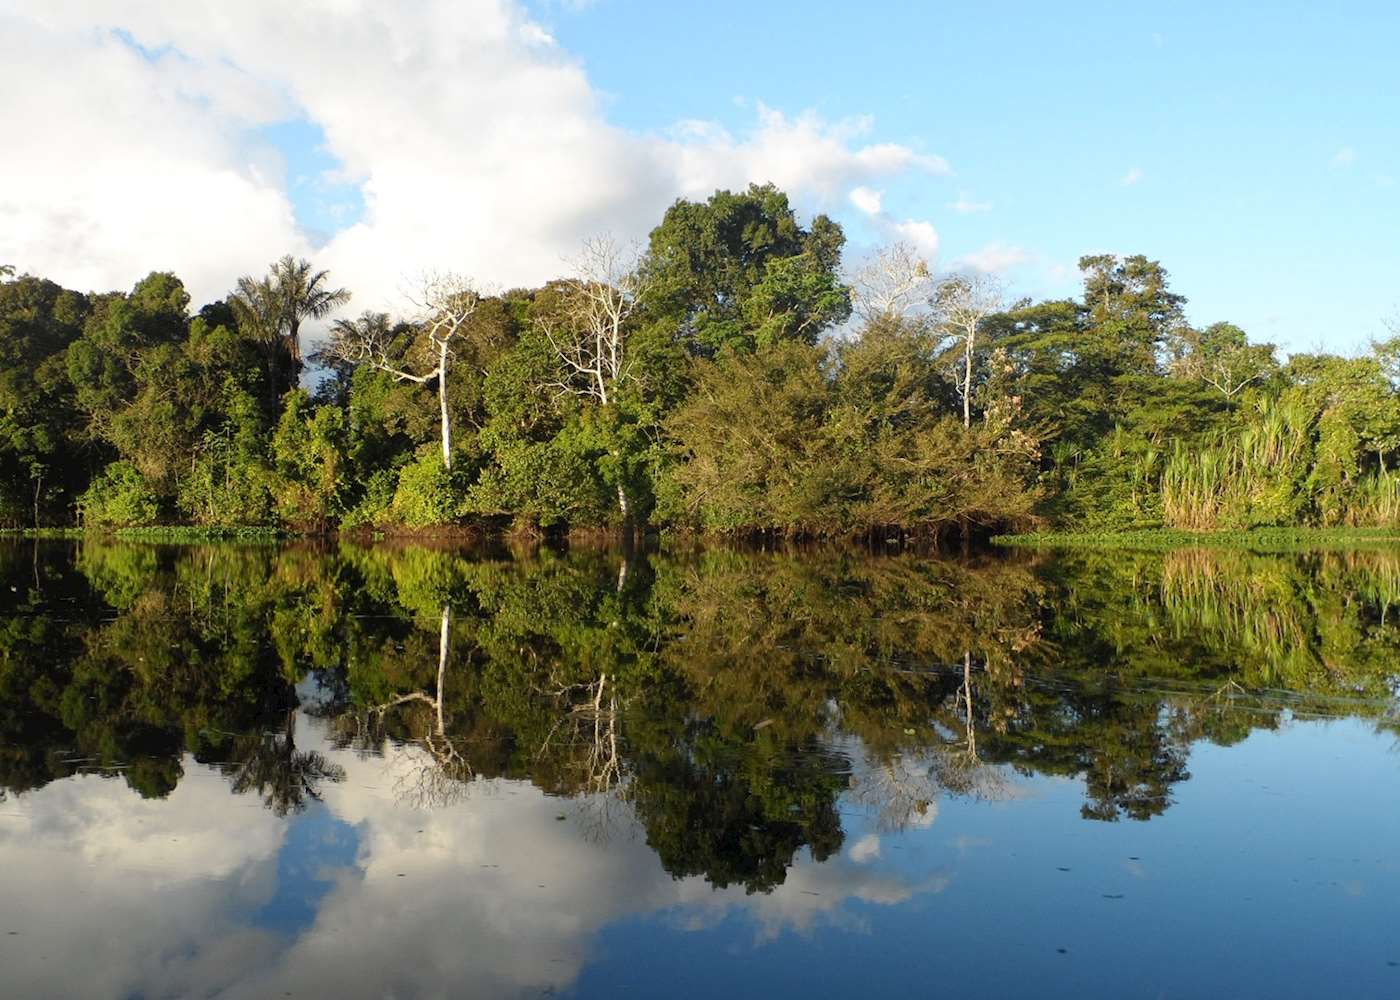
894, 282
589, 328
902, 789
435, 771
587, 732
961, 302
1222, 357
447, 302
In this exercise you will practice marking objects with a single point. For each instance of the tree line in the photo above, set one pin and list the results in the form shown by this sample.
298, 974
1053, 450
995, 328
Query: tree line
730, 376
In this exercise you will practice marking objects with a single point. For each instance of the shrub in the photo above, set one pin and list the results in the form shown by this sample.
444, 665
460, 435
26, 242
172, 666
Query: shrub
427, 494
119, 498
374, 507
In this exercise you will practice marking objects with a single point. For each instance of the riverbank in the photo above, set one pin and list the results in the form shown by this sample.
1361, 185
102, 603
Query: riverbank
1257, 539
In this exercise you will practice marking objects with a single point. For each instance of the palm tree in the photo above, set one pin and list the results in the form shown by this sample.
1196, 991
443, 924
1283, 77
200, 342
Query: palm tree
285, 777
302, 294
270, 311
257, 308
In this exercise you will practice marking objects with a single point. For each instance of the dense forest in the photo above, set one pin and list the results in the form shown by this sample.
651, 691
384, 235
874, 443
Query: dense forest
730, 376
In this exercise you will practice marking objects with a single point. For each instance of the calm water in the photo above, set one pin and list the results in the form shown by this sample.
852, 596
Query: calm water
404, 772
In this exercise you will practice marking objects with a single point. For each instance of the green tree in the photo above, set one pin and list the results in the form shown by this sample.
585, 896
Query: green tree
738, 270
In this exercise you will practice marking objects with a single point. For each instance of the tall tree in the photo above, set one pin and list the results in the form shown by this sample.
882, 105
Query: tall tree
739, 270
448, 302
271, 310
40, 457
589, 327
302, 294
962, 303
1131, 311
257, 311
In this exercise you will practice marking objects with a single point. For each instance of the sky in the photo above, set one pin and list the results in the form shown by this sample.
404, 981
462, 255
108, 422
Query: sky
1254, 149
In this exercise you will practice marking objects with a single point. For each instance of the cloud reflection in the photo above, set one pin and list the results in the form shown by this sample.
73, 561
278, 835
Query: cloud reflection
492, 895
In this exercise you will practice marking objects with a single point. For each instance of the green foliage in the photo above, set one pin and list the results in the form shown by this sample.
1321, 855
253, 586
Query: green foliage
841, 449
1250, 479
309, 456
732, 400
119, 498
428, 494
374, 503
739, 271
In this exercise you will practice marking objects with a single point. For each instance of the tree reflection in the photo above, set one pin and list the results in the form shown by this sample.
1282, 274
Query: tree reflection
727, 701
270, 765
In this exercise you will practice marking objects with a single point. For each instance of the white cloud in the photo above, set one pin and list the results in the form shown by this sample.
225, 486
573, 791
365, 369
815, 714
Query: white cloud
1344, 157
865, 849
996, 258
118, 165
140, 897
489, 896
1133, 175
919, 234
967, 205
868, 201
475, 142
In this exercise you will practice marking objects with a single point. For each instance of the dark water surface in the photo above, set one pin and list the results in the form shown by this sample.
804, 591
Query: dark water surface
253, 771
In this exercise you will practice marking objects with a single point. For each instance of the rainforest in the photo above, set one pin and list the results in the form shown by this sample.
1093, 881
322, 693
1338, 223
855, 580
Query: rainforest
730, 377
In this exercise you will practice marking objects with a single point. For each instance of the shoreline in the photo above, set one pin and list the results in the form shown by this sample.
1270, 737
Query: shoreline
1252, 539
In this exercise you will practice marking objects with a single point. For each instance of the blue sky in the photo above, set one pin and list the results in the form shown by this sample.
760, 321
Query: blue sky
1233, 117
1254, 150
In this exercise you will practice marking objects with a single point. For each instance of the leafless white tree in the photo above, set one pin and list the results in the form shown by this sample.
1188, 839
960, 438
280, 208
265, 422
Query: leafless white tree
434, 772
590, 328
891, 284
961, 302
1228, 374
446, 302
588, 732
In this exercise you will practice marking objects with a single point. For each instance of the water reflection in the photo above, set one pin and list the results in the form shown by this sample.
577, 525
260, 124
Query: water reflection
681, 682
427, 749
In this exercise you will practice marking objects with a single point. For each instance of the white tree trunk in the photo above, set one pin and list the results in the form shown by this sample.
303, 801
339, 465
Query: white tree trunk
967, 380
444, 640
442, 405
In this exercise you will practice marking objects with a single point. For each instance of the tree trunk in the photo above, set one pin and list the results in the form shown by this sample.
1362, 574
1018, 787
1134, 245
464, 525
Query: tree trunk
442, 406
273, 350
444, 641
967, 697
967, 383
